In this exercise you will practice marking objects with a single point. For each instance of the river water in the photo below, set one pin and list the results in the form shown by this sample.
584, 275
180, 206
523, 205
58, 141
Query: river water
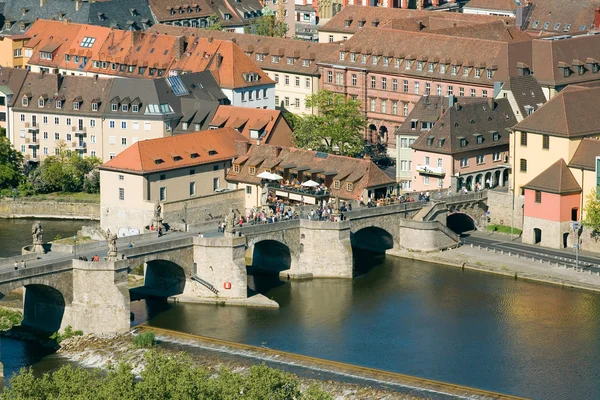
431, 321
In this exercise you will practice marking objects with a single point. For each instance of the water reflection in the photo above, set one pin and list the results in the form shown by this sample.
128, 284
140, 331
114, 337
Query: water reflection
437, 322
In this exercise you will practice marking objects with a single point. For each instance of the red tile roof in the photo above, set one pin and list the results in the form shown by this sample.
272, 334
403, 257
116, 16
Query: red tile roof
244, 119
557, 179
180, 151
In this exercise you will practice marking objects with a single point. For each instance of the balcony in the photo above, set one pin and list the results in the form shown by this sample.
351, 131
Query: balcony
33, 142
32, 127
428, 170
79, 131
79, 145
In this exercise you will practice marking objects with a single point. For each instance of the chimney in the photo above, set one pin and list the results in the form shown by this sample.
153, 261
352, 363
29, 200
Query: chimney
42, 3
277, 151
210, 39
179, 47
451, 101
233, 40
41, 74
442, 111
491, 103
219, 60
77, 5
597, 18
135, 37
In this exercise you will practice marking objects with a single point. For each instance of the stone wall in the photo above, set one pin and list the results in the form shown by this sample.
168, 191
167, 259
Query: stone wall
100, 298
20, 208
552, 232
325, 250
426, 236
500, 207
203, 212
217, 261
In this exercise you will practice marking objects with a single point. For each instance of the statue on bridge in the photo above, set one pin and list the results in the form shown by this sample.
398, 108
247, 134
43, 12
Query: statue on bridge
157, 219
36, 233
111, 239
229, 224
264, 198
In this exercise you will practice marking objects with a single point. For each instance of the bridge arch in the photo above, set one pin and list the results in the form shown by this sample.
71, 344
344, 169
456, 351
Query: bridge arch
43, 307
270, 256
372, 238
164, 278
460, 222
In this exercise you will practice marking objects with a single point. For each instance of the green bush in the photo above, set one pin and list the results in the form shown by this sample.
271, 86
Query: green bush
67, 333
503, 229
164, 377
144, 340
9, 318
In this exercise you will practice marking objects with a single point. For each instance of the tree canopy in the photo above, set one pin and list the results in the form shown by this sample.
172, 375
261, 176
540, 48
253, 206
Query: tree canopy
269, 25
337, 128
214, 24
11, 163
66, 172
165, 377
592, 211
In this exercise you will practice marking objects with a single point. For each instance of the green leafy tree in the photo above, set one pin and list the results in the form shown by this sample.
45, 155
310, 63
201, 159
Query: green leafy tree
214, 24
66, 172
337, 128
592, 212
269, 25
11, 163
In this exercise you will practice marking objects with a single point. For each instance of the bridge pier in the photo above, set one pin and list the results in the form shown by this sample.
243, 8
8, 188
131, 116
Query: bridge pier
219, 263
325, 250
100, 302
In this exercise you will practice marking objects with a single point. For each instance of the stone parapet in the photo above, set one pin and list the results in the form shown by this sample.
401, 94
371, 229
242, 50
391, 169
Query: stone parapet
22, 208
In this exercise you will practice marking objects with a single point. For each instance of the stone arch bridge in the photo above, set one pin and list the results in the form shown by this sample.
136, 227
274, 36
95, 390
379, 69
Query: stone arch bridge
94, 296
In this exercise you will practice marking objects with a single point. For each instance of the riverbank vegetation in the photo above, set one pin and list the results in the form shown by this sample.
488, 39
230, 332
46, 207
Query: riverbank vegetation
164, 377
64, 171
9, 318
144, 340
66, 334
504, 229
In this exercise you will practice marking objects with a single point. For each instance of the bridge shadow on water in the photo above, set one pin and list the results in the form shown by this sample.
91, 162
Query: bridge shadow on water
266, 260
368, 249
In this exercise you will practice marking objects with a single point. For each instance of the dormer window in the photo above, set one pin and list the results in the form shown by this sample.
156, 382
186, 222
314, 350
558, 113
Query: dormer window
430, 67
566, 71
477, 72
59, 104
45, 55
172, 11
363, 59
442, 68
430, 141
67, 57
41, 102
336, 184
212, 152
75, 105
252, 170
407, 64
114, 107
580, 69
495, 136
419, 65
490, 74
386, 61
227, 17
135, 108
441, 142
375, 60
465, 71
124, 107
184, 125
347, 23
463, 142
479, 139
361, 24
25, 101
454, 69
349, 186
94, 106
236, 168
353, 57
342, 55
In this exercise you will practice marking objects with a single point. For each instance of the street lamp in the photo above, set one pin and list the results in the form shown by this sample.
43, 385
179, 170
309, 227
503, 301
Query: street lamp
75, 245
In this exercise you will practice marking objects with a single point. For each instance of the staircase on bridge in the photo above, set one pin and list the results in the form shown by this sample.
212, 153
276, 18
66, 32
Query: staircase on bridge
423, 212
205, 284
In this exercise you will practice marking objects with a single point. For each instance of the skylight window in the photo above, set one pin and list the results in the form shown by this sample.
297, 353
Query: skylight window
87, 42
546, 25
177, 86
535, 24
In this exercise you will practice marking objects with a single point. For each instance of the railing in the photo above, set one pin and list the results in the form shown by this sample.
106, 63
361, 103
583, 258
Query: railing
79, 130
79, 145
301, 191
205, 284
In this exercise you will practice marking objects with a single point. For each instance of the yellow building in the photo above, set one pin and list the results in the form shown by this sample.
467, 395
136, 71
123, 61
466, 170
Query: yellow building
12, 51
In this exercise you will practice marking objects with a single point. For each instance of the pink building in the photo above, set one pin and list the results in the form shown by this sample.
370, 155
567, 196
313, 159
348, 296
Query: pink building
552, 201
466, 148
388, 70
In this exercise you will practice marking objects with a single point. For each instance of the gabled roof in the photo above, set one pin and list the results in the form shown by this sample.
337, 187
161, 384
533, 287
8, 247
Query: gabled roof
527, 92
576, 13
492, 5
156, 155
571, 113
363, 174
382, 15
557, 179
585, 155
255, 46
467, 121
11, 81
262, 120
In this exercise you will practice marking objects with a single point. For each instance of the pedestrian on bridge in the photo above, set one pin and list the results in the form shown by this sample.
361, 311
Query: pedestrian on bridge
23, 264
16, 266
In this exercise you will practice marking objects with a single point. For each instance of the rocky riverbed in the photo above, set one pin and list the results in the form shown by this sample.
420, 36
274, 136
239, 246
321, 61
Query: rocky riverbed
99, 352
